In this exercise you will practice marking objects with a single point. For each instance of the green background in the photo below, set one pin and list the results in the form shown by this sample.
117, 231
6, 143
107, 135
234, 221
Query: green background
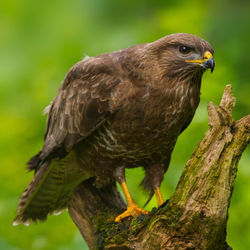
41, 40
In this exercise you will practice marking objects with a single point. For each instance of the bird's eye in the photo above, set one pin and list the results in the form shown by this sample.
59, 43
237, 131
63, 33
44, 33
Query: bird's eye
184, 49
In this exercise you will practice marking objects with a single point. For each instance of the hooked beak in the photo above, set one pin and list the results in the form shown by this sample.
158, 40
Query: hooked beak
207, 62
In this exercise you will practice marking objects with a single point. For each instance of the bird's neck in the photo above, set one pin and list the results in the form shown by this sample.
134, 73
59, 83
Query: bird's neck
139, 66
183, 94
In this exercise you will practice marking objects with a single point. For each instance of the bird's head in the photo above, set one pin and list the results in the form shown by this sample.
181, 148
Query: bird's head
183, 55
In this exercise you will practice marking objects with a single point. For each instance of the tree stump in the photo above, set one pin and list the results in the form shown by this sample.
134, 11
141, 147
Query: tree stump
195, 217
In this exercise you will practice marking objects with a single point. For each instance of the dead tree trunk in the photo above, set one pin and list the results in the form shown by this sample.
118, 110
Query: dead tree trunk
196, 215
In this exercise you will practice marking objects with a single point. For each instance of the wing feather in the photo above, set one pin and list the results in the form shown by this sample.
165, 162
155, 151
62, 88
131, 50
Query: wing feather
81, 105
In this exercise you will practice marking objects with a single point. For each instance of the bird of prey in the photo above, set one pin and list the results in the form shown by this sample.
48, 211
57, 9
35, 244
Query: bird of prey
118, 110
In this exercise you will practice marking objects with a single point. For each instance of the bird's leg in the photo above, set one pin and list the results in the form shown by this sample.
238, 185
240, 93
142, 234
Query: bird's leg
159, 196
154, 177
132, 208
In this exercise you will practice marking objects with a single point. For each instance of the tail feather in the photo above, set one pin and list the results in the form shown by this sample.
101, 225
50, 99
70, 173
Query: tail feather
50, 190
35, 197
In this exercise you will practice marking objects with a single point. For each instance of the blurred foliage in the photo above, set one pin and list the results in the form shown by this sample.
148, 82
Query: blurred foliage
39, 42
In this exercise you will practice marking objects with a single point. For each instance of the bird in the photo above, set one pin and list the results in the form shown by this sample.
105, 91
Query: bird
117, 110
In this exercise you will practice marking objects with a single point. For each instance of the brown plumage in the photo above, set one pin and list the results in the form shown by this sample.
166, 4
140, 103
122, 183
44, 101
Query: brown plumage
119, 110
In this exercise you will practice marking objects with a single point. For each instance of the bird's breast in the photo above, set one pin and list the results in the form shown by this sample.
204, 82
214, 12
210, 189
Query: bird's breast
146, 126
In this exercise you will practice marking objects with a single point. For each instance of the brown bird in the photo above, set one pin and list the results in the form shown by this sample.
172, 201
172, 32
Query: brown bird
119, 110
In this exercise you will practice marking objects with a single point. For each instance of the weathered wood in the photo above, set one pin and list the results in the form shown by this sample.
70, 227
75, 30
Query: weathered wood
195, 216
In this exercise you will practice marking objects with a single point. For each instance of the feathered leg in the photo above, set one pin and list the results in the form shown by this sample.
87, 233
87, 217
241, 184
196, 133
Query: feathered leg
152, 181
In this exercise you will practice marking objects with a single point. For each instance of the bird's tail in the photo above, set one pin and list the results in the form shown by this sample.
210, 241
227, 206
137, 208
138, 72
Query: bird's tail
50, 190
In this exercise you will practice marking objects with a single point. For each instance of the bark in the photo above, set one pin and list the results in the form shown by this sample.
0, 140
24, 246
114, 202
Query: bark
196, 215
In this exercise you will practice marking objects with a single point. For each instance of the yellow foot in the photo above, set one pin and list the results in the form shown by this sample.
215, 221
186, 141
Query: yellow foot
132, 210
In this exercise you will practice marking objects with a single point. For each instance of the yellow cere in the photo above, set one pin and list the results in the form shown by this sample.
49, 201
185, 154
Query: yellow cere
207, 55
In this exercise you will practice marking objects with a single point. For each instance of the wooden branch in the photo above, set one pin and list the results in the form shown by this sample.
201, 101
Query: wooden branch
195, 216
